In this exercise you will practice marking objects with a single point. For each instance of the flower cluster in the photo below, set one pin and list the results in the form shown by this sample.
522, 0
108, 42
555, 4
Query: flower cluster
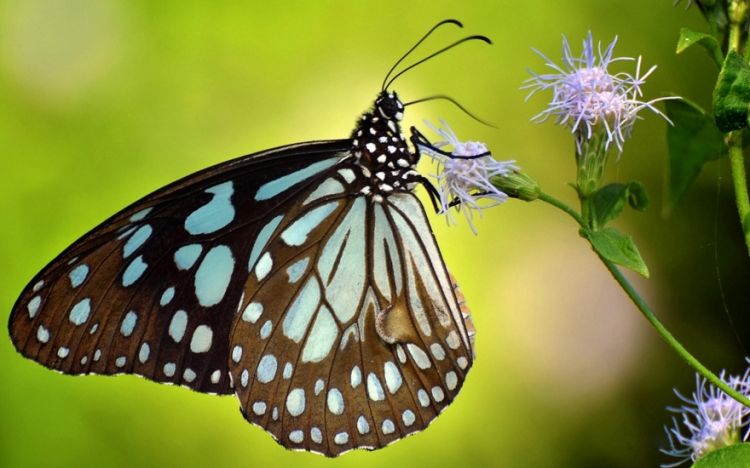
464, 177
711, 419
588, 98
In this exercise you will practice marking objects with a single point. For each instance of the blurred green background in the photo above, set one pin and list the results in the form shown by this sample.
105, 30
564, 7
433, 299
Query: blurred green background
103, 101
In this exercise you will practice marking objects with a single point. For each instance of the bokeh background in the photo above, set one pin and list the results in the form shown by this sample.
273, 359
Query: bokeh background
103, 101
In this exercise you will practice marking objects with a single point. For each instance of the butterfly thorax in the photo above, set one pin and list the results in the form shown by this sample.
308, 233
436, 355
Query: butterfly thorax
380, 149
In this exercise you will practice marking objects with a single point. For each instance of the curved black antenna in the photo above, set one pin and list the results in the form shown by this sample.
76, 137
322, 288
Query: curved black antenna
455, 103
446, 21
444, 49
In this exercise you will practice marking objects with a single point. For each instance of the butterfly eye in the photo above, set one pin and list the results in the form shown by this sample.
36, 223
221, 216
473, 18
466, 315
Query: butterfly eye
390, 107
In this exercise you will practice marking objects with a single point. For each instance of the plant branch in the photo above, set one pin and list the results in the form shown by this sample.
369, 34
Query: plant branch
739, 181
648, 313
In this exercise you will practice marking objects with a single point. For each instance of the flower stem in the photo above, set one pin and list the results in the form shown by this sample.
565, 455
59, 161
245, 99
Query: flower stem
648, 313
739, 180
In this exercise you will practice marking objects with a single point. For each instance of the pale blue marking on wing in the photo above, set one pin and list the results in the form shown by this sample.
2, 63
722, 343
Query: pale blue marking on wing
344, 286
417, 243
128, 323
263, 268
213, 275
141, 214
186, 256
413, 211
262, 240
301, 311
177, 325
134, 271
296, 234
329, 187
136, 240
277, 186
80, 312
266, 370
297, 269
78, 275
322, 337
215, 214
167, 296
384, 247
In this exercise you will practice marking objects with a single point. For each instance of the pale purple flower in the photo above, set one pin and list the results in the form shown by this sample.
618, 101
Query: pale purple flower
588, 98
711, 419
463, 180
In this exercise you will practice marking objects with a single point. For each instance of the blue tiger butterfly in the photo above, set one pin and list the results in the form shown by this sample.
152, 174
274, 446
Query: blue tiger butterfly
304, 279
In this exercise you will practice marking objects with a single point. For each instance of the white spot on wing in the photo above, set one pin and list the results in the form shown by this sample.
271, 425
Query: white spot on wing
419, 356
374, 388
335, 401
259, 408
78, 275
295, 402
252, 312
356, 377
134, 271
362, 426
267, 368
33, 306
186, 256
177, 325
202, 339
213, 276
137, 240
80, 312
128, 323
264, 266
392, 377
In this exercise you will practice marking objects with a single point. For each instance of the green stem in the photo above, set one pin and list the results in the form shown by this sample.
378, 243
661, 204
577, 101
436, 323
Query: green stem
739, 180
649, 314
562, 206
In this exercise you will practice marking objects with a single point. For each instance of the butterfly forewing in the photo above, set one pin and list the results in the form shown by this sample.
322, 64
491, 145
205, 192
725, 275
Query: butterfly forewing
154, 290
355, 340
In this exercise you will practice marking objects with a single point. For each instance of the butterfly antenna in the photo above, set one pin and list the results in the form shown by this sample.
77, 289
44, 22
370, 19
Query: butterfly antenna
447, 21
455, 103
435, 54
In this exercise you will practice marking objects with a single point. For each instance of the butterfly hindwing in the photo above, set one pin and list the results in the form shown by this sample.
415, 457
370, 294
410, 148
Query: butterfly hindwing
356, 339
154, 289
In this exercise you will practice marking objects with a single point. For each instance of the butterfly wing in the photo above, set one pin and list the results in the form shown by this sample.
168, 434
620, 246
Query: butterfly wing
350, 334
154, 289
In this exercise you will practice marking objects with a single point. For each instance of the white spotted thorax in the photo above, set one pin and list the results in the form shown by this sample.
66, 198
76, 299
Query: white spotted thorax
381, 150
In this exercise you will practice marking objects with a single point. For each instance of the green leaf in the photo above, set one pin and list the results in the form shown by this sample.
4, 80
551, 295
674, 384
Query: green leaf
737, 455
732, 94
618, 248
688, 38
607, 202
692, 140
637, 196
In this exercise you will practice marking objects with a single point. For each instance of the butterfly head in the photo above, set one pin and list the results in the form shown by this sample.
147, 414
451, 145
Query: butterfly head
389, 106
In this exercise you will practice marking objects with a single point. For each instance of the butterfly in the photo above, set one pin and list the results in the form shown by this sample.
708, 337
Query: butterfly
304, 279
